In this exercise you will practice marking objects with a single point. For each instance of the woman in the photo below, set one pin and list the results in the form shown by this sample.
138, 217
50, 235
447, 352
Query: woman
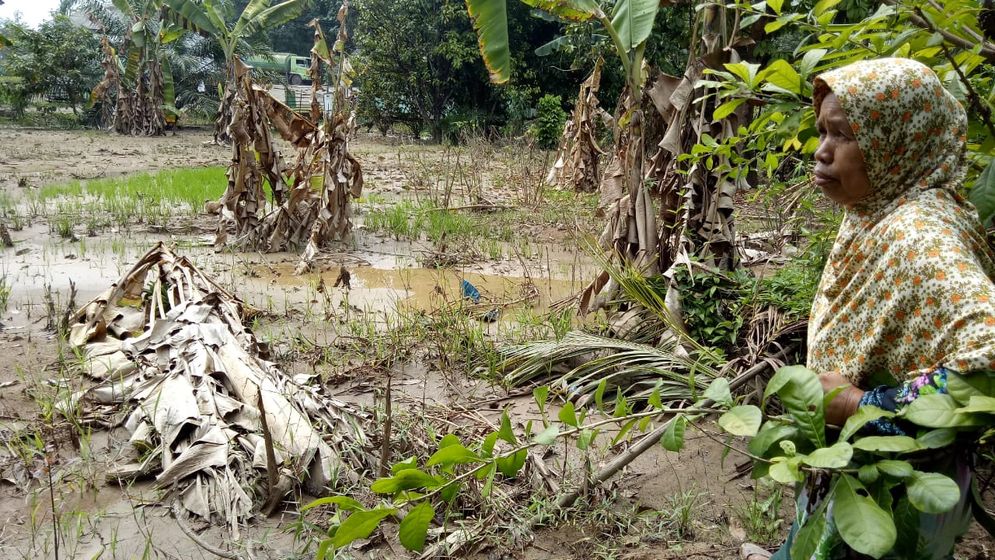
907, 289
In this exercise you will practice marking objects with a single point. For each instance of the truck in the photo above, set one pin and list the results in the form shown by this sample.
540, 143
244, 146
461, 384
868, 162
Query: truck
291, 67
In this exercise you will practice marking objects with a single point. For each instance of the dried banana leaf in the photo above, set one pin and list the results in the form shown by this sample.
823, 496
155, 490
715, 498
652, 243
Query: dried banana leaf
187, 384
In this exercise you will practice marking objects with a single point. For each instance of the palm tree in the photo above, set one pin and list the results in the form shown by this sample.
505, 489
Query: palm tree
215, 20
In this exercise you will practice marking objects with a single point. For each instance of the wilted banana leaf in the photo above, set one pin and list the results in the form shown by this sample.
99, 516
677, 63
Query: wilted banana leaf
579, 155
182, 373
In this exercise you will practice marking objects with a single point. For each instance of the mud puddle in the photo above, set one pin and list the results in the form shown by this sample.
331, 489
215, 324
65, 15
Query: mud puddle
385, 276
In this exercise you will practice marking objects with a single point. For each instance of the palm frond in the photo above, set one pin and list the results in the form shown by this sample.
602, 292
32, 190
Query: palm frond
634, 369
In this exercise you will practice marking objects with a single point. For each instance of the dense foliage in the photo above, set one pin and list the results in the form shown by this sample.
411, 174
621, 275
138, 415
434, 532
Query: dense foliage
59, 60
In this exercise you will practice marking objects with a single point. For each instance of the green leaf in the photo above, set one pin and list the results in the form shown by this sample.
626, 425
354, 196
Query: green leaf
623, 431
414, 526
896, 469
810, 535
718, 390
979, 403
769, 434
505, 432
568, 415
932, 492
344, 502
454, 454
654, 398
964, 386
510, 465
193, 16
864, 526
982, 195
810, 61
888, 444
489, 474
786, 471
547, 436
633, 21
783, 77
599, 394
860, 418
577, 11
822, 5
746, 71
935, 439
836, 456
251, 23
937, 411
449, 492
359, 525
541, 396
490, 21
621, 406
726, 109
776, 5
743, 420
801, 393
868, 474
449, 439
408, 479
673, 436
409, 463
323, 548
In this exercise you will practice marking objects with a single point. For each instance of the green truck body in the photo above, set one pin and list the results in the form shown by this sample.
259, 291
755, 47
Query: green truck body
292, 67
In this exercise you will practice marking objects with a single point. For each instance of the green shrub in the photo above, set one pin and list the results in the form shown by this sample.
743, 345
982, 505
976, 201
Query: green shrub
548, 126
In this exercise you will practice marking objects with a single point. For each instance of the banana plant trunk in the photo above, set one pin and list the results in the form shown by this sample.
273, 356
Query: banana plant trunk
225, 108
662, 209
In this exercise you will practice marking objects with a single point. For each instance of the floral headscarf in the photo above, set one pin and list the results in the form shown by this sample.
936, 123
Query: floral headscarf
907, 286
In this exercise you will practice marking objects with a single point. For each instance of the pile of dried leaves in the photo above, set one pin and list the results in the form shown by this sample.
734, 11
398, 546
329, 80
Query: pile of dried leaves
225, 432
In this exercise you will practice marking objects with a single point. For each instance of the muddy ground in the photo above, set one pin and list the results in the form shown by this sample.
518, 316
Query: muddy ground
628, 518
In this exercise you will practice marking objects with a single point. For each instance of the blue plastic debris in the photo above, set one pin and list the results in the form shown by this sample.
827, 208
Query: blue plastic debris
470, 292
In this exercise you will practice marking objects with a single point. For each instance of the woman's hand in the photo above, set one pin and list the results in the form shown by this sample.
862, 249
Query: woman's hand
846, 401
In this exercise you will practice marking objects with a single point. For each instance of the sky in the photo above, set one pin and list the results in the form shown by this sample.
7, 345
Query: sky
32, 12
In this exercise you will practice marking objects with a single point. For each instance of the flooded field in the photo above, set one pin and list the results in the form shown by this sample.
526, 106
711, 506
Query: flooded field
406, 325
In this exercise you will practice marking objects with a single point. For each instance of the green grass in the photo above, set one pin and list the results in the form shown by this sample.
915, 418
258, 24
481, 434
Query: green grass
409, 220
151, 198
190, 186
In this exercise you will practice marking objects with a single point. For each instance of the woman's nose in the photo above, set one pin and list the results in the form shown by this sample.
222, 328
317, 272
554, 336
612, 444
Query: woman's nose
824, 153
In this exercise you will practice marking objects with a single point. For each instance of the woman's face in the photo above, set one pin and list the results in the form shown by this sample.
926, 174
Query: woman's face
839, 165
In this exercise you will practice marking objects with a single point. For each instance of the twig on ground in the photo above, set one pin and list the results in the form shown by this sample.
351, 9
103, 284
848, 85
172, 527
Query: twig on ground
388, 421
199, 541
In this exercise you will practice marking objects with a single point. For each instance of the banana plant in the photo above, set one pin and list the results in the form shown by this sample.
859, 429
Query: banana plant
629, 25
145, 92
216, 21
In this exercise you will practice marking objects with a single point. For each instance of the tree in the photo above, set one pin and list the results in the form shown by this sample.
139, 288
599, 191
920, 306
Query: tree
60, 60
218, 22
418, 61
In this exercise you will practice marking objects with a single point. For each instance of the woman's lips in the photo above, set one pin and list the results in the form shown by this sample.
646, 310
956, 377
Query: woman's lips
821, 179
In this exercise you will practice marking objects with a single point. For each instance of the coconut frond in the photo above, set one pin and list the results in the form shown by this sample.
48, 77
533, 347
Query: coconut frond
634, 369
